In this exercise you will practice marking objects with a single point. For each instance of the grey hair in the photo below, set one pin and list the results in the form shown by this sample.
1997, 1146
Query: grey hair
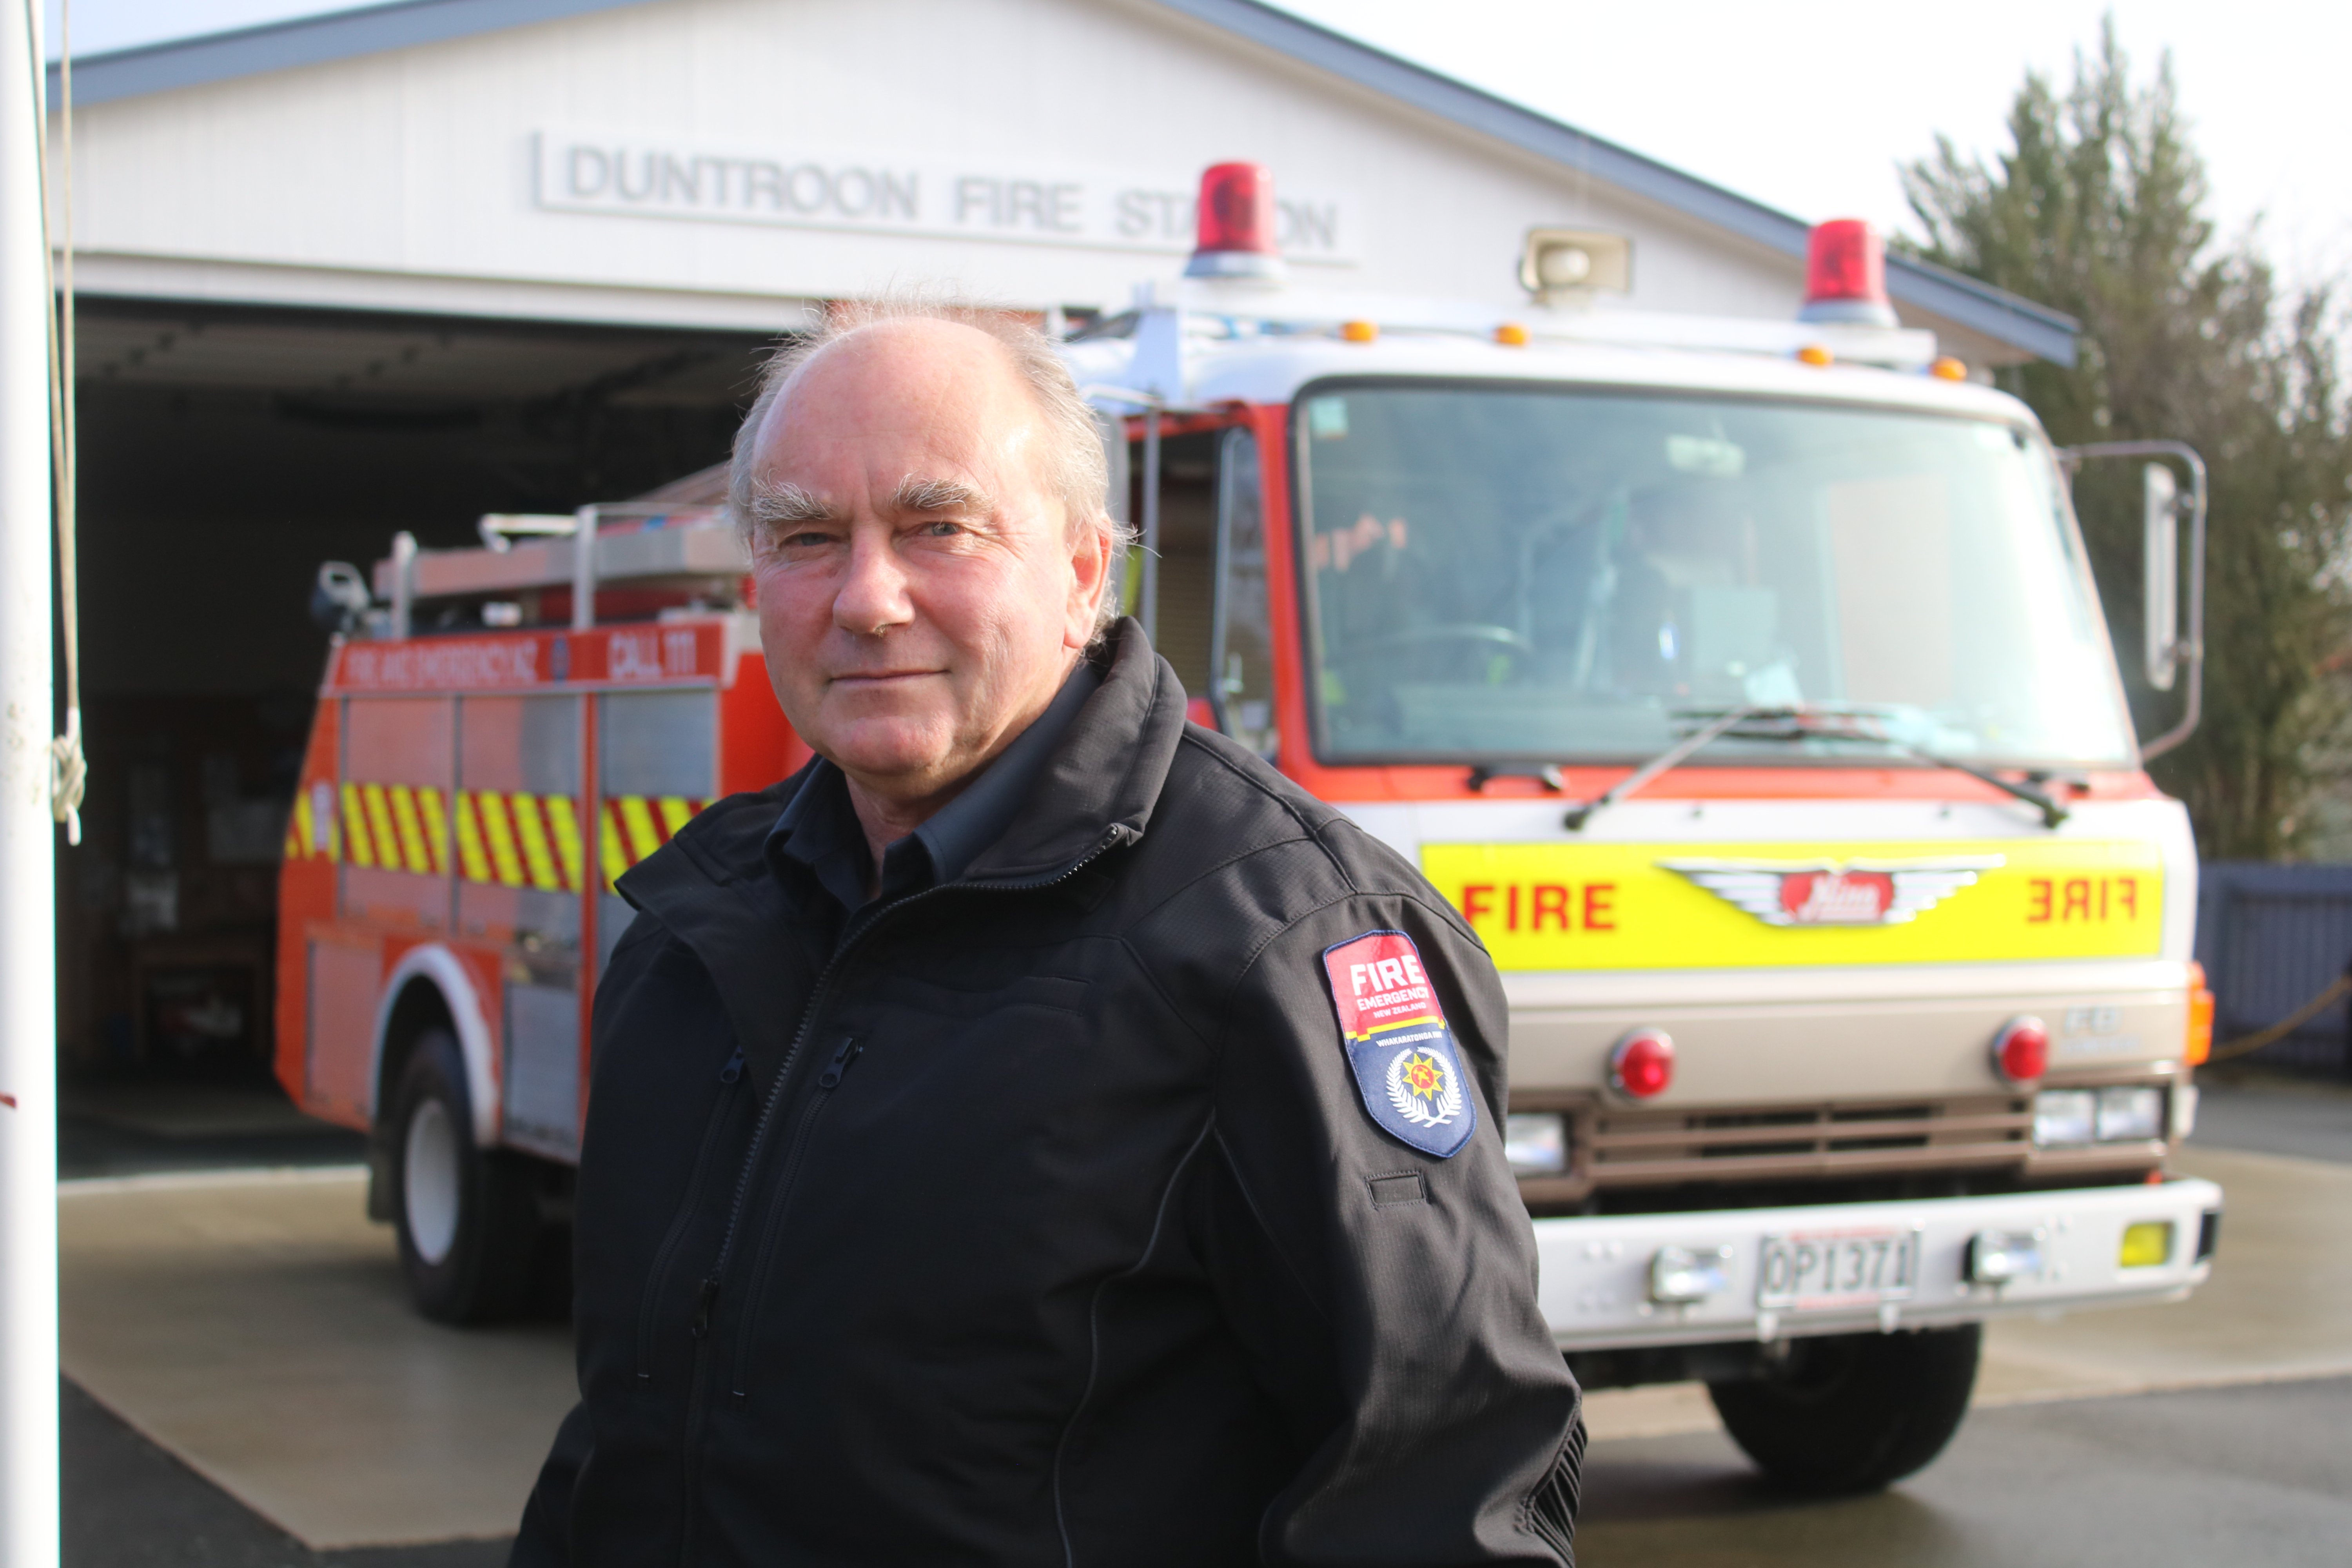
1075, 467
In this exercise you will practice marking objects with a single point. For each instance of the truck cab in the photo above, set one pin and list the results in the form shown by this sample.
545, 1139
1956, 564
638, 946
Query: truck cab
1745, 686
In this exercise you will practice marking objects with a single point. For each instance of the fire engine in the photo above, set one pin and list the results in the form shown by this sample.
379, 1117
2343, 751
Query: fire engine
1742, 683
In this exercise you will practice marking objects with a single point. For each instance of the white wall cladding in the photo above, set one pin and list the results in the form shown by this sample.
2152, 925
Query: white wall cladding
420, 162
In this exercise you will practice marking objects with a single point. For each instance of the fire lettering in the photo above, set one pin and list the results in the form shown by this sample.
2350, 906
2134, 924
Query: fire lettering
1539, 907
2090, 901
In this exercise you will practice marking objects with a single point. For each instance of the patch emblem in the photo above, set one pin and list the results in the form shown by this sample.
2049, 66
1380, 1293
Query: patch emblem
1407, 1067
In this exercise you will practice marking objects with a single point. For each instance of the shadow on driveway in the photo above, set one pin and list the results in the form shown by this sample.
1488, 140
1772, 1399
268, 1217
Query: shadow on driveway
127, 1504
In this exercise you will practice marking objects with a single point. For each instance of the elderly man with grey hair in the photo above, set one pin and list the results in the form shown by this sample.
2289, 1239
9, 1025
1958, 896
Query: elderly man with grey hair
975, 1169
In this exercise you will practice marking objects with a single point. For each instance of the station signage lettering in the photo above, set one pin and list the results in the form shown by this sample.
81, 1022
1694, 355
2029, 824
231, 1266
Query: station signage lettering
588, 170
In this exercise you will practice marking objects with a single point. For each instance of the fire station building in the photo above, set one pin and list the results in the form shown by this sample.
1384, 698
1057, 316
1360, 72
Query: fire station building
399, 266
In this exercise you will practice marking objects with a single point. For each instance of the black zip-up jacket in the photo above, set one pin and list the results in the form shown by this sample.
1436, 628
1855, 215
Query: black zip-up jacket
1042, 1219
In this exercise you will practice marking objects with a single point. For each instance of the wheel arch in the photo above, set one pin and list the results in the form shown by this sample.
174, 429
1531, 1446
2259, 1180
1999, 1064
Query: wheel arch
429, 986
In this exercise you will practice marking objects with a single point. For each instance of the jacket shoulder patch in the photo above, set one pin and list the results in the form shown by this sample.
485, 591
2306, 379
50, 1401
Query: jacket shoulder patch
1408, 1069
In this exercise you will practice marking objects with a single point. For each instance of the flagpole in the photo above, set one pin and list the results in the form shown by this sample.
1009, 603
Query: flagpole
28, 1155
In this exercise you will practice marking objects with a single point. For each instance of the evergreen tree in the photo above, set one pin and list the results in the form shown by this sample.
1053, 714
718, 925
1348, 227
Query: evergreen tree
2098, 210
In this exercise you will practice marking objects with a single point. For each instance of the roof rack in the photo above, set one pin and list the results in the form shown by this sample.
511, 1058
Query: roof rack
640, 543
1170, 321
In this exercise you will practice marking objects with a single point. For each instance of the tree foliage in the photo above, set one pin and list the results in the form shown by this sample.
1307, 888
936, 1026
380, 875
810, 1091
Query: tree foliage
2099, 210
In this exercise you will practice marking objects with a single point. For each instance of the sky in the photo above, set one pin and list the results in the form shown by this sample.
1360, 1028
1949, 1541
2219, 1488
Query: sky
1796, 103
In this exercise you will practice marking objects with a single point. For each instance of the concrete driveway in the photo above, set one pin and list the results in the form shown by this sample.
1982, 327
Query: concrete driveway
251, 1326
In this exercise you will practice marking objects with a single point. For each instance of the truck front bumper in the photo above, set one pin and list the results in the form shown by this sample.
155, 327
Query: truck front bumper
1603, 1277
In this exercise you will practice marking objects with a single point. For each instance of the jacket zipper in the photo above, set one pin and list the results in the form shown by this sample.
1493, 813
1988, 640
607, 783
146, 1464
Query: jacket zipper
707, 1297
730, 1077
761, 1260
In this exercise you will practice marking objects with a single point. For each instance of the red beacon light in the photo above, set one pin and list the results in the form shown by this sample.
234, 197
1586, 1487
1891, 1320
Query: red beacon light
1845, 275
1642, 1065
1238, 222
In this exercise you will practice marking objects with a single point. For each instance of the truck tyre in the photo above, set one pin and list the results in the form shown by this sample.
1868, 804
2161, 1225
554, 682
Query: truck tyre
1853, 1412
467, 1217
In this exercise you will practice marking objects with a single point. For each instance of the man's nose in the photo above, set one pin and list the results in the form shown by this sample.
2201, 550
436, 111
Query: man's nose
873, 597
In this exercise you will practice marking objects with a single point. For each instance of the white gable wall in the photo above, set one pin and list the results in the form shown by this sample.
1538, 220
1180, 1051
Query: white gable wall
408, 179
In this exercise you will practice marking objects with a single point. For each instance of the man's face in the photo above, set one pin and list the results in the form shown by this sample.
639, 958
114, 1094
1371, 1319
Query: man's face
921, 597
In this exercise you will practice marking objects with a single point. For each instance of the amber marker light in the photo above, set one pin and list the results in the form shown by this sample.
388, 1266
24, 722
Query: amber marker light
1948, 369
1360, 331
2200, 1044
1815, 354
1511, 334
2147, 1245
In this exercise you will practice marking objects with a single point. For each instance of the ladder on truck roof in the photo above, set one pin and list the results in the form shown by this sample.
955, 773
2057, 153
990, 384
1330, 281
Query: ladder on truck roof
647, 544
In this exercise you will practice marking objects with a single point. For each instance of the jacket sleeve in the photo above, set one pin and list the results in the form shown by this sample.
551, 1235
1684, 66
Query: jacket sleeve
1385, 1294
545, 1539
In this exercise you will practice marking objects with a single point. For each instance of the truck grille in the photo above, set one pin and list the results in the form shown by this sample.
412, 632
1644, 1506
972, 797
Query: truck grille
1630, 1148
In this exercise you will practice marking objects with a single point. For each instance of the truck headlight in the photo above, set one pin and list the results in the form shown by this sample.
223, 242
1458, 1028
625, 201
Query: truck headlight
2130, 1113
2065, 1116
1536, 1142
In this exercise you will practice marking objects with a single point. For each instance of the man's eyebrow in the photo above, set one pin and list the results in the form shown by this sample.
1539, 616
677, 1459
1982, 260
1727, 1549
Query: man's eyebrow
777, 504
918, 494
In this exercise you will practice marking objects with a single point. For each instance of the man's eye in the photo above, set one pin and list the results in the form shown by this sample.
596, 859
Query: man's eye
940, 527
805, 539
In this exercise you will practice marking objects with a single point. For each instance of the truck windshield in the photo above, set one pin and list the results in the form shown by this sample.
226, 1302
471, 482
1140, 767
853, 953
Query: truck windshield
1543, 574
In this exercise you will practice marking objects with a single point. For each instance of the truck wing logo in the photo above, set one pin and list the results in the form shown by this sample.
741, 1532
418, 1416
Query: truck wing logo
1835, 892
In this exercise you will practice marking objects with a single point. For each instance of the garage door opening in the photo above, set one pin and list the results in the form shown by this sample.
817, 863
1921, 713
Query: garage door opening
227, 451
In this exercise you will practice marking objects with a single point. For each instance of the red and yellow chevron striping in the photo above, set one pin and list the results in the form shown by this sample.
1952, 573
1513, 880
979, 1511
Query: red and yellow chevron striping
637, 824
502, 838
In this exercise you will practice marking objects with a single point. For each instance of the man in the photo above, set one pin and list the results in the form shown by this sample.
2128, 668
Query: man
990, 1158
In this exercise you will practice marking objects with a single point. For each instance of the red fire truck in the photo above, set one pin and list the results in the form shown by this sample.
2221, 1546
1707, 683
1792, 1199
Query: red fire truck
1743, 683
490, 754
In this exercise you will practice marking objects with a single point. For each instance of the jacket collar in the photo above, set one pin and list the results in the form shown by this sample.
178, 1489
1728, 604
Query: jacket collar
1100, 782
710, 886
1098, 788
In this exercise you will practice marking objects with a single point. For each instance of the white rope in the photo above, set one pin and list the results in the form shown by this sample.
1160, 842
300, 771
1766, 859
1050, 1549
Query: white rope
68, 767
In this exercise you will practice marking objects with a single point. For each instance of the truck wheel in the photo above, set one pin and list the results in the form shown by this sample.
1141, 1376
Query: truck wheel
467, 1217
1851, 1412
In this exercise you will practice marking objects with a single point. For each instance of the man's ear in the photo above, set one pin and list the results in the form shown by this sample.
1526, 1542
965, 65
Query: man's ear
1090, 560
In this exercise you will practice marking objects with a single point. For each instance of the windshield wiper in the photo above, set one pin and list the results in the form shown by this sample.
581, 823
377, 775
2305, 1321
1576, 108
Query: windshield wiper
1577, 815
1805, 722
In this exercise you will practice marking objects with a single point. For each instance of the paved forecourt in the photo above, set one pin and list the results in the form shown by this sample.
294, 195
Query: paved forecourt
254, 1325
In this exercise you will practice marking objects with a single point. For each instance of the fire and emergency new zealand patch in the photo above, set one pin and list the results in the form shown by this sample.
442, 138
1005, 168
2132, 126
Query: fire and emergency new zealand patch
1406, 1064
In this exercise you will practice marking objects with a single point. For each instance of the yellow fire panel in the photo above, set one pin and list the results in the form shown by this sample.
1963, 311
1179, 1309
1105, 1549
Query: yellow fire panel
1751, 905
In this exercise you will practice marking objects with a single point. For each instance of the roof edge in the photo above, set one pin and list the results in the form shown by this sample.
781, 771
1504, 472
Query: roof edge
302, 41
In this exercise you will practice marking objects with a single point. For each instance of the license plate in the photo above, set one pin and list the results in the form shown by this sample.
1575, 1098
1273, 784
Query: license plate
1822, 1270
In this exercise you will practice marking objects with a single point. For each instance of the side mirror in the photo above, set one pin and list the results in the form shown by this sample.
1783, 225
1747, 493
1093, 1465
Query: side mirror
340, 600
2160, 579
2169, 643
